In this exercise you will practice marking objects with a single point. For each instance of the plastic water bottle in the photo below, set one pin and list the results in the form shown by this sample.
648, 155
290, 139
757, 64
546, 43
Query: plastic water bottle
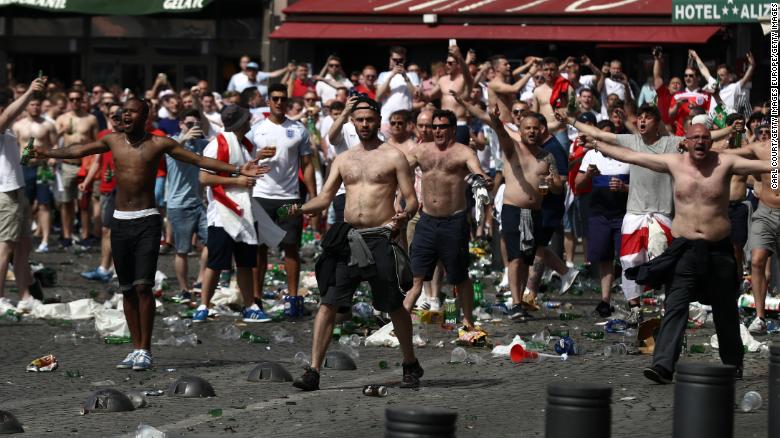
458, 355
301, 359
615, 350
751, 401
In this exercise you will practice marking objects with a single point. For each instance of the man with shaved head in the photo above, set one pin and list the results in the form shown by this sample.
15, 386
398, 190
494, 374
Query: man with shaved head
699, 265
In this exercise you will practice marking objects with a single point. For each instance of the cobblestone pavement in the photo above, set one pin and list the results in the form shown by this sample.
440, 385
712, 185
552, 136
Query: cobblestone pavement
494, 399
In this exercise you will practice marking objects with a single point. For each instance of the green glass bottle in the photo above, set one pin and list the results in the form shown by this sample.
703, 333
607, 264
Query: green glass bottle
116, 340
478, 293
285, 210
28, 153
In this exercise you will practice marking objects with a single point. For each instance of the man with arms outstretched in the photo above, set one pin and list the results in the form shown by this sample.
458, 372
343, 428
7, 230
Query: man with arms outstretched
135, 232
361, 247
699, 265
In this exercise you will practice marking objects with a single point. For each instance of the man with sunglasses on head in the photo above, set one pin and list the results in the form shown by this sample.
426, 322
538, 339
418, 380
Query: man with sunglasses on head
362, 247
136, 228
456, 80
443, 230
285, 143
76, 126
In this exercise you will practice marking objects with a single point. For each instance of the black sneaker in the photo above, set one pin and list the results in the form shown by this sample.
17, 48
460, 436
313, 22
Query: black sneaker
517, 313
310, 380
658, 374
412, 374
604, 309
183, 297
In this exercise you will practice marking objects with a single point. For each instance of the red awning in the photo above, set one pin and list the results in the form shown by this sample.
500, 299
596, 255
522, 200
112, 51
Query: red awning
599, 34
571, 8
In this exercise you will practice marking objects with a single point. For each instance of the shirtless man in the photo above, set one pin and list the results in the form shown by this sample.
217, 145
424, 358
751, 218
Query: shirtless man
135, 232
442, 232
501, 91
45, 135
764, 230
371, 172
76, 126
543, 93
738, 210
699, 264
458, 80
399, 136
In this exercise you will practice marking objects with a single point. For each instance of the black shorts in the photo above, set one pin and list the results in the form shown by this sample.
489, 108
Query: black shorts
510, 230
223, 249
445, 239
339, 202
293, 226
738, 215
386, 292
135, 244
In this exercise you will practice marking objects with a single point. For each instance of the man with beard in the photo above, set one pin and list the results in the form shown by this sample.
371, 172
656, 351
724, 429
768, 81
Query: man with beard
647, 224
699, 265
372, 171
135, 232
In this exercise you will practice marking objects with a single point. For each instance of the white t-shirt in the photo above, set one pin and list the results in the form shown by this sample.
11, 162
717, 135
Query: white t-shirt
588, 81
326, 92
11, 176
239, 82
398, 97
730, 95
215, 119
607, 166
611, 87
292, 142
212, 216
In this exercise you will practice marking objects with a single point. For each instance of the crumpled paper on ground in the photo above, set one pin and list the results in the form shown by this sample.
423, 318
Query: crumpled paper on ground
747, 340
503, 350
384, 337
80, 309
111, 322
226, 296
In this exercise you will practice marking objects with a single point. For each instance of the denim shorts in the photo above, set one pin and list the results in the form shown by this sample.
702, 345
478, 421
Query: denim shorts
186, 222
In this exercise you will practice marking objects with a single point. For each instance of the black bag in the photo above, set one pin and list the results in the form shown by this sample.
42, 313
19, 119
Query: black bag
403, 267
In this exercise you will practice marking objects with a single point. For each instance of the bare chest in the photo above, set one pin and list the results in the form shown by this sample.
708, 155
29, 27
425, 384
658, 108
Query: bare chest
697, 187
361, 169
441, 161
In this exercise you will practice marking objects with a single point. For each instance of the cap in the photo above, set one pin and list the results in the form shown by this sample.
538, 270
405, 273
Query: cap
233, 117
163, 94
368, 103
253, 65
587, 117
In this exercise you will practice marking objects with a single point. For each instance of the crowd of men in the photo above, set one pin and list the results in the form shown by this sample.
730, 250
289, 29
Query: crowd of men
385, 164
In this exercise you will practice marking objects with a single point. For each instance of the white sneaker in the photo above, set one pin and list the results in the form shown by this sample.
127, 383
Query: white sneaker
504, 280
43, 247
757, 326
26, 306
569, 265
433, 304
567, 279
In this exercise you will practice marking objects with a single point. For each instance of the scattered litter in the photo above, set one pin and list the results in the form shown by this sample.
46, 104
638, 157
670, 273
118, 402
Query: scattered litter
43, 364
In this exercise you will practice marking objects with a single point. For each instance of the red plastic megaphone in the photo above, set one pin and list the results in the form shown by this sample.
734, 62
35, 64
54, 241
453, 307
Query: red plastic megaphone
520, 354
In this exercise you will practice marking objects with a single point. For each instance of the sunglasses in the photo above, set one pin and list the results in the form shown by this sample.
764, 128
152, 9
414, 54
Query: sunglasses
763, 131
397, 60
517, 111
278, 98
396, 123
450, 62
441, 126
700, 138
538, 78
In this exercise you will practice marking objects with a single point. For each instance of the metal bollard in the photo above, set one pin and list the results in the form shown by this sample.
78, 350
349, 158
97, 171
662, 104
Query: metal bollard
578, 411
419, 421
704, 401
774, 391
